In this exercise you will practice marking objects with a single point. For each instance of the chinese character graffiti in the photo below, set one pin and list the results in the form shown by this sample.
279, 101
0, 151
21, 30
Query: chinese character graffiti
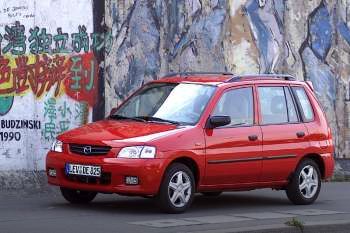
16, 39
50, 115
65, 114
80, 40
75, 76
60, 42
41, 42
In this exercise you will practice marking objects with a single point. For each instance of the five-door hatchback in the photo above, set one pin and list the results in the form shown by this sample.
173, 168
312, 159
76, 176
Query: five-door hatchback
200, 132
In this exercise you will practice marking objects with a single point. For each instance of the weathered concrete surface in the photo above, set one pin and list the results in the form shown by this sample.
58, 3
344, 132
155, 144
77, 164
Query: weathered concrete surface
24, 183
308, 39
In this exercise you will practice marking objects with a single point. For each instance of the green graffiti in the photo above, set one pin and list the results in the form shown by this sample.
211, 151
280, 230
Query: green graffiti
65, 116
39, 42
92, 75
80, 40
60, 42
76, 68
5, 104
15, 35
50, 114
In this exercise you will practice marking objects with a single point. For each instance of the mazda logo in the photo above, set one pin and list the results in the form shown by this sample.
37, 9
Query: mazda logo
87, 150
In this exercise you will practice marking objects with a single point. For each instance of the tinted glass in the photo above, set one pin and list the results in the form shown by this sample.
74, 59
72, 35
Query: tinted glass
304, 103
238, 104
182, 103
292, 113
273, 105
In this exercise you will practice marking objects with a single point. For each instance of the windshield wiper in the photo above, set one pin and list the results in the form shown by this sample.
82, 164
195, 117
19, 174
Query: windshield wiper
120, 117
157, 119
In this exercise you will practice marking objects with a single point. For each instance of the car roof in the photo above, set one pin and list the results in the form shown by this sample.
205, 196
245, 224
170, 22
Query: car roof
228, 79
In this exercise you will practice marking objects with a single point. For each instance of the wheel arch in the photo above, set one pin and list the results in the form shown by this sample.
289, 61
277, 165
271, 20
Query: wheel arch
191, 164
318, 160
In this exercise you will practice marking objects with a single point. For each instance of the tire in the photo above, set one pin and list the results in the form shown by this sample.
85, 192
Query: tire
211, 194
305, 184
77, 196
181, 191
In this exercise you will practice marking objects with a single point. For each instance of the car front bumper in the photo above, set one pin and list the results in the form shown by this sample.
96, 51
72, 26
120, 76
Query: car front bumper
114, 172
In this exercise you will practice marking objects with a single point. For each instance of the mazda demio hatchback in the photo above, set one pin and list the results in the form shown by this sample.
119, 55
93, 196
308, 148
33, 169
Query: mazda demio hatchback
200, 133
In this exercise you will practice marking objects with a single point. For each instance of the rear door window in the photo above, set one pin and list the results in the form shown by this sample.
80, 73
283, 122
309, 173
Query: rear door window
292, 112
273, 105
304, 103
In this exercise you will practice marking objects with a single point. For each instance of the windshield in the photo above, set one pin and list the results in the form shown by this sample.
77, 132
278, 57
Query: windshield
167, 102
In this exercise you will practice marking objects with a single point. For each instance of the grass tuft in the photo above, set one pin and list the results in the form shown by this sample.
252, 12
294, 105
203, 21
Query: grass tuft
294, 222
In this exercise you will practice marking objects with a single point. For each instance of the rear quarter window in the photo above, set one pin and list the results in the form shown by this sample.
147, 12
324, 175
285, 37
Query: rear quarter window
304, 103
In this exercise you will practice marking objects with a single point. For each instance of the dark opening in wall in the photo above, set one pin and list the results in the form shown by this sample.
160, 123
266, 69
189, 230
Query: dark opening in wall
99, 27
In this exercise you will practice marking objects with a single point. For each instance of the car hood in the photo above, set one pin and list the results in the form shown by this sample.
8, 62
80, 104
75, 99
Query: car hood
113, 131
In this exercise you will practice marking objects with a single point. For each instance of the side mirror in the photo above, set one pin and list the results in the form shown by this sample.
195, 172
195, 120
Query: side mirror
217, 121
113, 110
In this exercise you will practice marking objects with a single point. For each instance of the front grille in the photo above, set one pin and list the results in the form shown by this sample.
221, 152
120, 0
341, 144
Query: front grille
89, 150
105, 179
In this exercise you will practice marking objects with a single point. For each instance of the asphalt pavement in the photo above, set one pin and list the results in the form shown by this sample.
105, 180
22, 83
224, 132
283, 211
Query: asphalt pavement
254, 211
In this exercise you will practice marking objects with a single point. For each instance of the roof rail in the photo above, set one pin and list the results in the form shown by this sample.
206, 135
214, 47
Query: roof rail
237, 78
195, 73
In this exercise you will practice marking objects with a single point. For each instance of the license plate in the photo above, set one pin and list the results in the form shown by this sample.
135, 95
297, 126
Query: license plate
83, 170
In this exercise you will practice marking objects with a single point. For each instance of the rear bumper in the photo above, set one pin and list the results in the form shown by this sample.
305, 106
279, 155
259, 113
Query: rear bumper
149, 172
328, 162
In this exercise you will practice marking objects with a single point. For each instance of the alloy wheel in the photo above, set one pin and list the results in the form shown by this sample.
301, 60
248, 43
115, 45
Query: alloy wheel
308, 181
180, 189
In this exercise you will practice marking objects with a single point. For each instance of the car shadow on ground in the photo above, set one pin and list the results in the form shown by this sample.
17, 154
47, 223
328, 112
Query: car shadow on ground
139, 205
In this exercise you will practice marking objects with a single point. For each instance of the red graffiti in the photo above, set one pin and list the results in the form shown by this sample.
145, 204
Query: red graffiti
5, 74
78, 74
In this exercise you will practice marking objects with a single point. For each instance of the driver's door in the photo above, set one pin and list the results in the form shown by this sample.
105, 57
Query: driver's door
234, 151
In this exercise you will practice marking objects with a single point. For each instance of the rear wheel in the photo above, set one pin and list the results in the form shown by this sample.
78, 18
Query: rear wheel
77, 196
211, 194
305, 184
177, 189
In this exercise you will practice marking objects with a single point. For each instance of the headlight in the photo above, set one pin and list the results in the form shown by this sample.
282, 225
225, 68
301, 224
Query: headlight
57, 146
138, 152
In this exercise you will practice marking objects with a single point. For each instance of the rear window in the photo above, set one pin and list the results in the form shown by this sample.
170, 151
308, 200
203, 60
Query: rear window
304, 103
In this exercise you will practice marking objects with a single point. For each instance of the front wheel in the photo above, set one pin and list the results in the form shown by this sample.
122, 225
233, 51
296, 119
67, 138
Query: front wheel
77, 196
305, 184
177, 189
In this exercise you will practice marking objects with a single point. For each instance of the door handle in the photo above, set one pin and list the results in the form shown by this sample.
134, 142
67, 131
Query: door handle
253, 137
300, 134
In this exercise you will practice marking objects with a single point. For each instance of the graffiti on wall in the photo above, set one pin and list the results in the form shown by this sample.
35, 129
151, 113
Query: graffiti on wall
58, 117
49, 63
49, 75
74, 75
16, 42
41, 63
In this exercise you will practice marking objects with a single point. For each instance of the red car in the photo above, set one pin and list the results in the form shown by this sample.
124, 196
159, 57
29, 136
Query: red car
200, 132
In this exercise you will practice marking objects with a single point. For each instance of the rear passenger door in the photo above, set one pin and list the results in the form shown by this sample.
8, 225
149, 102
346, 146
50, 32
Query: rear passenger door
284, 133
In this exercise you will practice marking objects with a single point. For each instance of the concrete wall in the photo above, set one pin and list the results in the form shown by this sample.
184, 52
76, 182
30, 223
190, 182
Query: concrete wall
48, 78
308, 39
